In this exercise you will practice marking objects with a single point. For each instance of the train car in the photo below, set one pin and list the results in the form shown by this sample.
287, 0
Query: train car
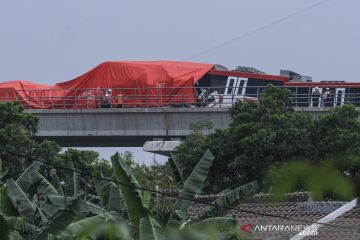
128, 84
242, 84
246, 84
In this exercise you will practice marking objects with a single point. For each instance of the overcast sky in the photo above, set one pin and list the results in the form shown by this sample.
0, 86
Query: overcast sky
48, 41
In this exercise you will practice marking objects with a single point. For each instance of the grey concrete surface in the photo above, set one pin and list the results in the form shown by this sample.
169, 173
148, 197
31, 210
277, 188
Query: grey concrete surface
122, 127
128, 127
161, 147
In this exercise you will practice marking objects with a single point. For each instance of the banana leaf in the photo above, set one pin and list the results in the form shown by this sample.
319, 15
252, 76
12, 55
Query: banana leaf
116, 201
55, 181
31, 179
19, 200
15, 223
149, 229
192, 186
147, 197
4, 231
107, 230
176, 169
54, 202
47, 210
40, 217
60, 220
3, 174
6, 206
57, 200
75, 185
19, 224
15, 235
102, 188
78, 228
130, 191
110, 196
25, 180
228, 200
89, 209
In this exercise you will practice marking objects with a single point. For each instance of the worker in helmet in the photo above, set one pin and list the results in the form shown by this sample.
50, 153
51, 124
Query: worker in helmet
328, 98
316, 97
201, 99
107, 98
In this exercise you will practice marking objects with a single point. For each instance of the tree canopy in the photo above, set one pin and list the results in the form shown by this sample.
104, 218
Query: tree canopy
18, 149
265, 134
17, 146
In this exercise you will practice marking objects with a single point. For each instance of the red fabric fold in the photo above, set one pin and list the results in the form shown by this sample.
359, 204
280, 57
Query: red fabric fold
142, 83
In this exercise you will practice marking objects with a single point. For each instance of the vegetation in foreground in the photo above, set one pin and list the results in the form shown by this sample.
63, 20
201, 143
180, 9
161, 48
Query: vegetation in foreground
33, 207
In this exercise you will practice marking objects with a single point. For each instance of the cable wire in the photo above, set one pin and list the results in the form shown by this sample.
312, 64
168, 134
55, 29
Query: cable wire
256, 30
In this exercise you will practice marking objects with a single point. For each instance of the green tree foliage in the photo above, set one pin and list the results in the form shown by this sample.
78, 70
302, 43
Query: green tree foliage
334, 176
17, 147
337, 132
322, 179
156, 174
85, 161
265, 134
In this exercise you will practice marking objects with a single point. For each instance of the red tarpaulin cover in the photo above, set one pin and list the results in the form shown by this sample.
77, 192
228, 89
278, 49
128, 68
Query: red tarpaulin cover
139, 83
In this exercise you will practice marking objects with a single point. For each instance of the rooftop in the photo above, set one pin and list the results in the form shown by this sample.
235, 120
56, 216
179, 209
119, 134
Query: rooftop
294, 209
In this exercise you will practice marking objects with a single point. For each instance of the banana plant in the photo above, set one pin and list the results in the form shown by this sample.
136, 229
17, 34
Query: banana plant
130, 190
31, 207
105, 225
110, 196
145, 223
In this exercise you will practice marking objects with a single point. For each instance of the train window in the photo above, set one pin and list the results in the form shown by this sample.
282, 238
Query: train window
231, 84
339, 98
241, 85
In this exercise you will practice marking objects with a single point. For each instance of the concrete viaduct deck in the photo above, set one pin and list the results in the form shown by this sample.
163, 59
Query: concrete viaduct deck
122, 127
127, 127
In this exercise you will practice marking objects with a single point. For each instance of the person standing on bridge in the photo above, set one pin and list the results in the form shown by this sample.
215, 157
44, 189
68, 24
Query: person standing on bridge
108, 98
119, 101
98, 97
315, 97
201, 99
328, 98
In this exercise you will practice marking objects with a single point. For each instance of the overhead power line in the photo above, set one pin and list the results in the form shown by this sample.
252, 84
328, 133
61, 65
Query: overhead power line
256, 30
183, 198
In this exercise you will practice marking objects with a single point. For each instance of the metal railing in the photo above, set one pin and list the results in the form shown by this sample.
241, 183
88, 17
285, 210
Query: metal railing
165, 97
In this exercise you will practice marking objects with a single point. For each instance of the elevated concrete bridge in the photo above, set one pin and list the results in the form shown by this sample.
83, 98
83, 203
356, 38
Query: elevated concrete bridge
114, 127
128, 127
